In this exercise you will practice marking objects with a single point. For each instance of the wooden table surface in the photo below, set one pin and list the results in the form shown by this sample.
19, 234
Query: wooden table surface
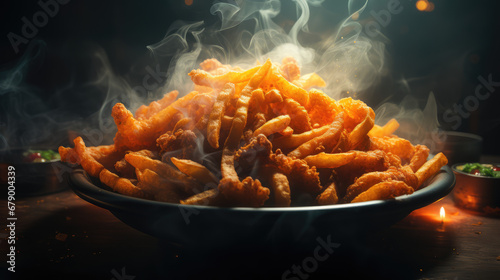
61, 236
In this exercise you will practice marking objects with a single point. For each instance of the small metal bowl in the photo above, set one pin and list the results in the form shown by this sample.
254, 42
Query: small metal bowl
460, 146
477, 193
32, 178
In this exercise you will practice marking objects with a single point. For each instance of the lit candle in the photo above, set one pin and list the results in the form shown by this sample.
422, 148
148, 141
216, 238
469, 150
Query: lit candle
442, 214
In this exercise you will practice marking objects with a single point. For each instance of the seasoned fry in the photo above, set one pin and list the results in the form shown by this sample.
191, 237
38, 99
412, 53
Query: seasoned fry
186, 183
203, 78
218, 110
431, 167
380, 131
210, 197
419, 158
195, 170
325, 141
272, 126
160, 188
324, 160
384, 190
121, 185
296, 140
145, 112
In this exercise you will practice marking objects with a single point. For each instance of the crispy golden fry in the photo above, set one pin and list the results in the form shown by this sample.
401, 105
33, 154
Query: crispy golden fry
388, 129
160, 188
398, 146
300, 121
430, 168
325, 141
273, 126
121, 185
296, 140
89, 164
209, 197
204, 78
324, 160
273, 96
310, 80
218, 110
419, 158
145, 112
276, 80
328, 196
384, 190
187, 184
68, 155
367, 180
288, 131
195, 170
357, 135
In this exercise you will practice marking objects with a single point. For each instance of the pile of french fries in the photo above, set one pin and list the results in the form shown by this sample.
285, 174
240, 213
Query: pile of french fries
265, 136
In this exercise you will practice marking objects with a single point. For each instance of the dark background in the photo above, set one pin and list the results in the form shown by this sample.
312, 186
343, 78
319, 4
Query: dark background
51, 78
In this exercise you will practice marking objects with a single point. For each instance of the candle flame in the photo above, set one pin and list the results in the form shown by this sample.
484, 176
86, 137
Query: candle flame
442, 214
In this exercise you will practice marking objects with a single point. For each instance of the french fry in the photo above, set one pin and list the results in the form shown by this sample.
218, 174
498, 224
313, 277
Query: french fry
209, 197
380, 131
89, 164
145, 112
273, 126
195, 170
287, 88
324, 160
281, 189
204, 78
288, 131
328, 139
218, 110
160, 188
273, 96
384, 190
296, 140
187, 184
121, 185
310, 80
430, 168
357, 135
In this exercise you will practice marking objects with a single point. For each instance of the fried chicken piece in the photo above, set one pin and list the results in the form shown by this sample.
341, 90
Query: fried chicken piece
290, 69
257, 152
301, 177
366, 181
322, 109
180, 144
419, 158
398, 146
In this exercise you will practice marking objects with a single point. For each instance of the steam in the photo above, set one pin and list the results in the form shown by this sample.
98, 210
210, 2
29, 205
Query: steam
248, 32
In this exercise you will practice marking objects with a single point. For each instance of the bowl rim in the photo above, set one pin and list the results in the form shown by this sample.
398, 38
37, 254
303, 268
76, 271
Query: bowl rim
464, 135
454, 168
437, 187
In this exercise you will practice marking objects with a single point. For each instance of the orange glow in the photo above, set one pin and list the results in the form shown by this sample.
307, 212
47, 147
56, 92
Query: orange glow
188, 2
422, 5
442, 214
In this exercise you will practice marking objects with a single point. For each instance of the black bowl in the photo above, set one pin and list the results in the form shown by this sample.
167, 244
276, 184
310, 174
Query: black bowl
207, 226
